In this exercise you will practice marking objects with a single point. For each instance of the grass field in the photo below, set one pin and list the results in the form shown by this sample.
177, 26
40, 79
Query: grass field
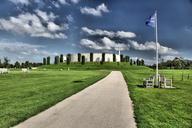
91, 66
23, 95
161, 108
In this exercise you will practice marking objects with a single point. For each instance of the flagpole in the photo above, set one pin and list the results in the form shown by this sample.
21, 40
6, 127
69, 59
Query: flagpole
119, 55
157, 57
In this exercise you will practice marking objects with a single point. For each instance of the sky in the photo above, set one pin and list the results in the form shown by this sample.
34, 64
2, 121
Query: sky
33, 29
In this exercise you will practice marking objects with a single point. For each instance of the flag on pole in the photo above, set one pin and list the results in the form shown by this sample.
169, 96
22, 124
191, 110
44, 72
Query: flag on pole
151, 21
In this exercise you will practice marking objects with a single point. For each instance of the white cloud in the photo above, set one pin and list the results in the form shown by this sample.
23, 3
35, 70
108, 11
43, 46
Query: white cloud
45, 16
63, 1
98, 32
152, 46
111, 34
188, 29
98, 11
24, 2
123, 34
20, 48
56, 3
75, 1
168, 57
90, 44
54, 27
110, 44
104, 44
19, 51
70, 18
32, 25
66, 2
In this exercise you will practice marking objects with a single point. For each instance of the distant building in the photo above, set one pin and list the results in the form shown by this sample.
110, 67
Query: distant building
96, 57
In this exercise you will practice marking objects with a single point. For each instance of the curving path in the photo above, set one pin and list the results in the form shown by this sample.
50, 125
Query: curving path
105, 104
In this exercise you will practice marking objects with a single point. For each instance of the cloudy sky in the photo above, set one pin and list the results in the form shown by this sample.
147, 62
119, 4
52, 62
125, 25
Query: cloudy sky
32, 29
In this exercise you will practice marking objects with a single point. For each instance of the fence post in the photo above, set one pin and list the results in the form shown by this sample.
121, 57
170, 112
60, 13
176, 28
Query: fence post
182, 77
172, 77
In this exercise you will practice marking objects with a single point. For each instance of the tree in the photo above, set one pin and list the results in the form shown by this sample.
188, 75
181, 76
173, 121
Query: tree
27, 64
6, 62
1, 65
131, 62
56, 60
138, 62
142, 62
48, 60
17, 64
44, 61
114, 58
83, 60
169, 64
23, 65
103, 57
121, 58
91, 57
79, 57
61, 58
128, 58
68, 59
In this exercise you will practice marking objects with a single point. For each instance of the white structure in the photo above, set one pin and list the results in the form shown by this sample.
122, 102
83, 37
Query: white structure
97, 57
3, 70
25, 70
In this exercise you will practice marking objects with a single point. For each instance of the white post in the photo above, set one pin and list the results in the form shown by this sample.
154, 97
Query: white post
157, 56
119, 55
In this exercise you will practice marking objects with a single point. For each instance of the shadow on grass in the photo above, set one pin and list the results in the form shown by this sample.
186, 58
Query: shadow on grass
140, 86
78, 81
175, 88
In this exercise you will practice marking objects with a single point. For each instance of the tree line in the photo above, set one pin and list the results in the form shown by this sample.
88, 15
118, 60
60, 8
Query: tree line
176, 63
5, 63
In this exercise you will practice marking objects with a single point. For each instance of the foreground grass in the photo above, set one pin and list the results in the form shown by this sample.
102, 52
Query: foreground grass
161, 108
23, 95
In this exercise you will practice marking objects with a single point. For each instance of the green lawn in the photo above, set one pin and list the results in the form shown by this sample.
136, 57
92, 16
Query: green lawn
90, 66
161, 108
23, 95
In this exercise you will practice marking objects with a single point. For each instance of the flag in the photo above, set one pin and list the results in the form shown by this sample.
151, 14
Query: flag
151, 21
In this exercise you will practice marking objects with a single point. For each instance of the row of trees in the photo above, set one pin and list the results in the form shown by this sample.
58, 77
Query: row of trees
176, 63
138, 62
5, 63
81, 59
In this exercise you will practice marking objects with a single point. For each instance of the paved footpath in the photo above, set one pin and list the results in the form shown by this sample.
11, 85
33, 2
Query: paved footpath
105, 104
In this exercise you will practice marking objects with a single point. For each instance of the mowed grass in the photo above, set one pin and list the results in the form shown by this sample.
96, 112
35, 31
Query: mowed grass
23, 95
161, 108
90, 66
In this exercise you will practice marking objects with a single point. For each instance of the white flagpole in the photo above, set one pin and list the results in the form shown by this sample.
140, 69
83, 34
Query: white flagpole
119, 55
157, 56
